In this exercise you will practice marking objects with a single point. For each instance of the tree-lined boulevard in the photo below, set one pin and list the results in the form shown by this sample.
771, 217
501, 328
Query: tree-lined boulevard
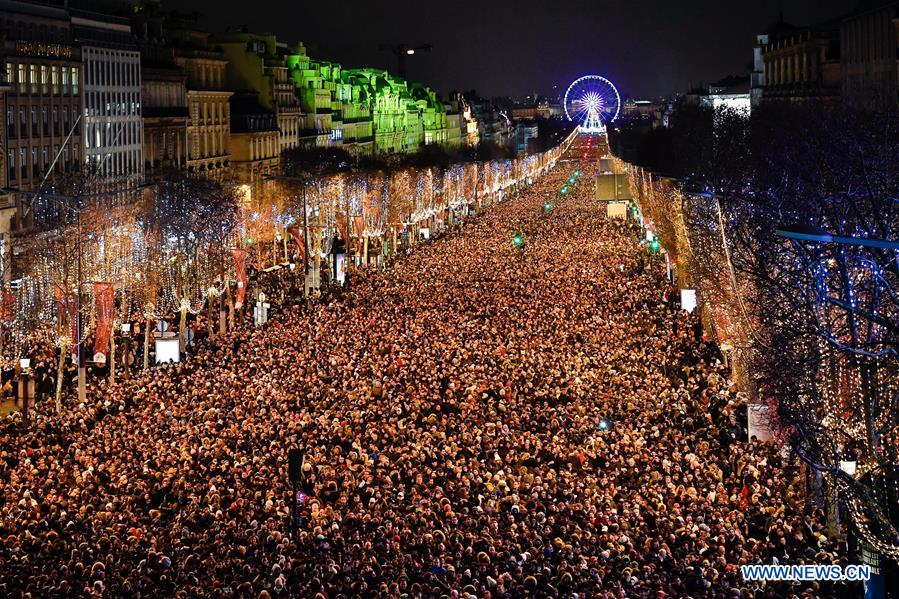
516, 407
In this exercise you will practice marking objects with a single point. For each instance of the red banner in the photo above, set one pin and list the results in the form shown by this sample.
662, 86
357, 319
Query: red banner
104, 303
67, 316
7, 305
240, 268
298, 239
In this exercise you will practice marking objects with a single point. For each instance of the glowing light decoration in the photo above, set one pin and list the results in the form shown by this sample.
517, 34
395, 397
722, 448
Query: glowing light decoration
593, 102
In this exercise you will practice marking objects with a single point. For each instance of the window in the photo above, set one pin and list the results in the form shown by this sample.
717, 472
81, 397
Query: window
10, 74
23, 123
65, 80
74, 81
34, 121
11, 163
45, 79
23, 79
54, 79
44, 120
65, 120
11, 120
23, 165
55, 120
32, 78
45, 158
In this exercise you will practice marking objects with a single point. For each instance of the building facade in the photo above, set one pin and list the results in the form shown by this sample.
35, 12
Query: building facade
43, 70
869, 42
209, 122
42, 104
365, 110
254, 146
802, 66
165, 118
258, 63
111, 98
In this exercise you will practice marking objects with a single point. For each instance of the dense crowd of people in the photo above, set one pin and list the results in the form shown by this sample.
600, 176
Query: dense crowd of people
481, 419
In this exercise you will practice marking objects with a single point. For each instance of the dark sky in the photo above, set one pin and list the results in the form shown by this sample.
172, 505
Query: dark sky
515, 47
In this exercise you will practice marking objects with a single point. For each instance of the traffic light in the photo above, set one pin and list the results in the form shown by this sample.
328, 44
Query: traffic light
571, 181
518, 240
564, 189
548, 206
655, 245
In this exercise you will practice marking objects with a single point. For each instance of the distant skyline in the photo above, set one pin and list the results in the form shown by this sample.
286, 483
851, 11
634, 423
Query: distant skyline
517, 47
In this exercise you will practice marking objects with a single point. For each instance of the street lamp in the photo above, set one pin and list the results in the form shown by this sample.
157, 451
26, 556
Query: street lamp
126, 339
24, 380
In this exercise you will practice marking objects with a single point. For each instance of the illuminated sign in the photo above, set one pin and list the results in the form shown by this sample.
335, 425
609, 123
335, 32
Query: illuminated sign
39, 49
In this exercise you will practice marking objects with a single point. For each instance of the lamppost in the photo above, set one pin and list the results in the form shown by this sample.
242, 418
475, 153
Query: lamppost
126, 340
24, 385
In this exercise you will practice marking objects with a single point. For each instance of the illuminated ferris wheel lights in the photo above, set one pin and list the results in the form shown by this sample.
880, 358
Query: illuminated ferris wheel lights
592, 101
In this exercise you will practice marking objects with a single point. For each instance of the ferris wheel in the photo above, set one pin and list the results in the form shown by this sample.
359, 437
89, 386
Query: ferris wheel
592, 102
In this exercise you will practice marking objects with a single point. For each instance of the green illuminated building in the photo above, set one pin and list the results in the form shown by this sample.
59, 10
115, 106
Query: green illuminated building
366, 110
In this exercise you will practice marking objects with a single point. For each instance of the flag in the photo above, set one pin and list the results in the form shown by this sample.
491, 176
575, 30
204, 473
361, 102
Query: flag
298, 239
240, 268
104, 303
7, 305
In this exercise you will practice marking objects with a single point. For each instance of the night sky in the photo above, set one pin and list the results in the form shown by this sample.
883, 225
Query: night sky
516, 47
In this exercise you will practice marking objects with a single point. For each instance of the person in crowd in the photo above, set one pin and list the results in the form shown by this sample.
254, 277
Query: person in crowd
477, 420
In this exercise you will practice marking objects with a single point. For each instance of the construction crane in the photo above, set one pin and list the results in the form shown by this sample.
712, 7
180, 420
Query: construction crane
403, 52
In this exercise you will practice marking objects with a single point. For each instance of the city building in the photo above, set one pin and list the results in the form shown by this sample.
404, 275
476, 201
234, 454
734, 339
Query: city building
730, 93
800, 64
165, 118
253, 144
493, 125
461, 127
869, 51
208, 102
258, 63
111, 99
187, 110
42, 104
364, 110
525, 133
44, 100
335, 106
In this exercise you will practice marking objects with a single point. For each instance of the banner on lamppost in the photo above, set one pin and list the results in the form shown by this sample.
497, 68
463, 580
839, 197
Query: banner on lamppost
104, 304
298, 239
8, 306
67, 316
240, 270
